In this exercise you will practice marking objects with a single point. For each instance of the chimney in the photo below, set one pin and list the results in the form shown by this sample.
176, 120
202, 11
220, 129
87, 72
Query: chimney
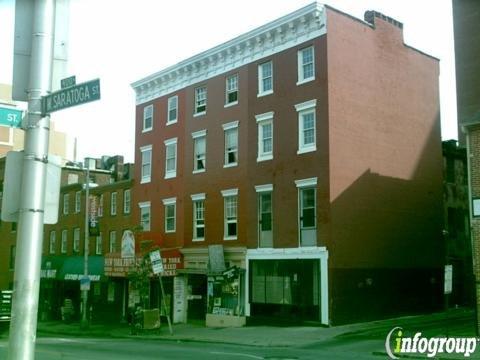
391, 30
370, 16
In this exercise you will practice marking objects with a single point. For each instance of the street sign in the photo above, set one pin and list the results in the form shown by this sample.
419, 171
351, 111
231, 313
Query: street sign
10, 117
68, 82
156, 260
447, 286
72, 96
85, 283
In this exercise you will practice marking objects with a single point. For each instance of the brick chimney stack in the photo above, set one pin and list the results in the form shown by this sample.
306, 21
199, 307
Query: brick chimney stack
392, 28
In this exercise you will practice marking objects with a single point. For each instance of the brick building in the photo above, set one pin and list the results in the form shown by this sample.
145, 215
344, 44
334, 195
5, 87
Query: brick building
306, 156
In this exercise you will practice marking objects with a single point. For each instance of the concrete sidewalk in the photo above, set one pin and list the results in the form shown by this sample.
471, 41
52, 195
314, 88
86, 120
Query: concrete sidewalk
273, 336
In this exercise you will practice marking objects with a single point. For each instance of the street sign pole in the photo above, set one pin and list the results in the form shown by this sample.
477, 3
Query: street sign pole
23, 325
84, 321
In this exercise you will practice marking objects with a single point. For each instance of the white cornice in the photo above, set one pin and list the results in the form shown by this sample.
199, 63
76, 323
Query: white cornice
295, 28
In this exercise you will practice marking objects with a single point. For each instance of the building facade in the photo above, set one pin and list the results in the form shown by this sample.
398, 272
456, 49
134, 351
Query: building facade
297, 167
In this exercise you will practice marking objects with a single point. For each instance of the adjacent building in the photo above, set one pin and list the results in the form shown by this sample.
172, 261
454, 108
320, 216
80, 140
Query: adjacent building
298, 170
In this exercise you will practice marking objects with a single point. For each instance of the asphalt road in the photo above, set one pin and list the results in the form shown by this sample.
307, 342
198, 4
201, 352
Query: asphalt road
134, 349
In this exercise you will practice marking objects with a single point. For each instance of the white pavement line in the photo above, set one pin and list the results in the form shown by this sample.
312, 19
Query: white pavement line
236, 354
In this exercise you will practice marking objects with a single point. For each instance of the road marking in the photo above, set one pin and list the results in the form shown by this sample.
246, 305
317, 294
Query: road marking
236, 354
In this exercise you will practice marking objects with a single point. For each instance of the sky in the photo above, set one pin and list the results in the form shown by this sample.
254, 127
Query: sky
120, 42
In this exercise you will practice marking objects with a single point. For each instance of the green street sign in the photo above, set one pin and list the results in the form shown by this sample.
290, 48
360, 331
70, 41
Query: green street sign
71, 96
10, 117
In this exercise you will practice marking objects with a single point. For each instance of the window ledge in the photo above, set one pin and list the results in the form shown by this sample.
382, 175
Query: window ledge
198, 171
170, 231
265, 93
230, 104
304, 81
198, 240
228, 238
172, 122
145, 180
264, 158
147, 130
199, 114
171, 175
230, 165
306, 150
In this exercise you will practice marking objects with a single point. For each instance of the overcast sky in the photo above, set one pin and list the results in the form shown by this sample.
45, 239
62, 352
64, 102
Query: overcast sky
123, 41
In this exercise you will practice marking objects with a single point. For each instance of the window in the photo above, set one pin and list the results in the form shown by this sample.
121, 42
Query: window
230, 214
265, 220
63, 246
66, 203
126, 201
265, 78
170, 158
170, 209
98, 244
78, 199
265, 136
306, 65
146, 169
145, 215
307, 211
172, 110
231, 143
52, 242
100, 206
76, 240
11, 263
113, 203
112, 242
198, 217
200, 100
147, 118
231, 90
199, 151
306, 126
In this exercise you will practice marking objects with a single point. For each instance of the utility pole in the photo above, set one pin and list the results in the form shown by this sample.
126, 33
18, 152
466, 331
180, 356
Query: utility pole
23, 326
84, 321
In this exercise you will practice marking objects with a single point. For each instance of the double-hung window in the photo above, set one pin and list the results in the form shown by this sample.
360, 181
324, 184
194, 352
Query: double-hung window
76, 240
170, 158
307, 211
146, 169
112, 241
306, 65
198, 217
100, 206
170, 210
265, 219
199, 151
231, 90
66, 203
64, 244
306, 126
98, 244
172, 115
200, 100
147, 118
231, 144
113, 203
53, 242
230, 214
78, 199
265, 78
126, 201
145, 215
265, 136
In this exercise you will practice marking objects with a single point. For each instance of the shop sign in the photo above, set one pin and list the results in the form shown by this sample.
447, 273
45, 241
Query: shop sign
156, 260
77, 277
216, 260
93, 228
48, 274
172, 260
117, 266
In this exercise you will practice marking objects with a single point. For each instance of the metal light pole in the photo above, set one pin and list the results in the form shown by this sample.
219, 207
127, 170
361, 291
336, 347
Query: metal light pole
23, 325
84, 321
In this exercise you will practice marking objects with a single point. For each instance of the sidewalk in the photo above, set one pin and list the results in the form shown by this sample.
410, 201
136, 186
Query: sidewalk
272, 336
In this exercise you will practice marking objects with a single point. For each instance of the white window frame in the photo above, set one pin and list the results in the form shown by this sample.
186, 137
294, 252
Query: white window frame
168, 203
301, 71
112, 241
305, 108
100, 206
143, 206
146, 109
171, 107
99, 244
53, 242
228, 194
306, 184
113, 203
195, 136
127, 201
261, 90
64, 243
261, 190
76, 240
230, 90
145, 163
197, 101
78, 201
196, 199
66, 203
263, 120
226, 128
170, 173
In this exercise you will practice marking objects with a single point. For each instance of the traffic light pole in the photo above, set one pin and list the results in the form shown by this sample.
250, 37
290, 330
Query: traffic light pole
28, 256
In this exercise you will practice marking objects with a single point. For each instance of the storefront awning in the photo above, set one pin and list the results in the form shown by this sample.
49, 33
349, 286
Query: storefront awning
72, 268
51, 266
